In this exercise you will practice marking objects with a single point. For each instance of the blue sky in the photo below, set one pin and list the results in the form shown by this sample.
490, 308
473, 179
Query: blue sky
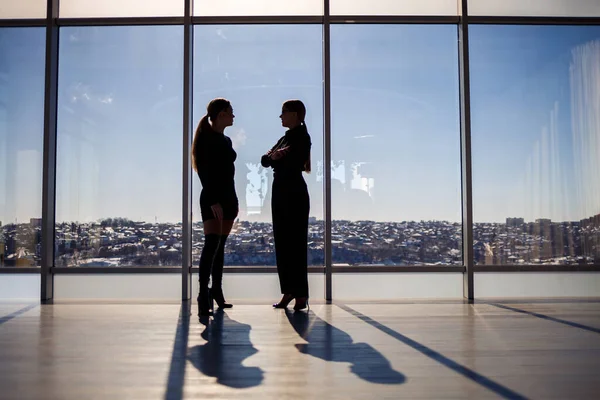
520, 83
395, 118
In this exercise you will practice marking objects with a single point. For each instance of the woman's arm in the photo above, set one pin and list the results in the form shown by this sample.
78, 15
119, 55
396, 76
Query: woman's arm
297, 152
266, 160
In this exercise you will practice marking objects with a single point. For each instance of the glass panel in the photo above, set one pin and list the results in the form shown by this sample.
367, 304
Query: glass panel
155, 287
535, 95
119, 146
537, 284
395, 145
258, 67
261, 287
382, 286
120, 8
394, 7
535, 8
166, 287
257, 7
22, 56
22, 9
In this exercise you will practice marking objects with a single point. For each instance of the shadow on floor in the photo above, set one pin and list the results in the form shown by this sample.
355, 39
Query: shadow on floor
176, 376
15, 314
332, 344
474, 376
228, 345
548, 318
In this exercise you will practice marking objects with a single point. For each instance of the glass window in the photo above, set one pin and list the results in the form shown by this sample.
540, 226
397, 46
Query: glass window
22, 9
395, 145
394, 7
120, 8
119, 146
22, 55
257, 7
535, 8
535, 95
257, 68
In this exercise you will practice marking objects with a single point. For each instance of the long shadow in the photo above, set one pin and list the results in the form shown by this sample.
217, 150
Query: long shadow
495, 387
332, 344
548, 318
23, 310
545, 301
228, 345
178, 359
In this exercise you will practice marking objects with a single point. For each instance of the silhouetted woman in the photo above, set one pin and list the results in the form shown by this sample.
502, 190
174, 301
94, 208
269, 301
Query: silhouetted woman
290, 204
213, 158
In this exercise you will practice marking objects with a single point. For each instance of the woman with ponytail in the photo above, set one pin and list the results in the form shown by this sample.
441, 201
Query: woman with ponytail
290, 204
213, 159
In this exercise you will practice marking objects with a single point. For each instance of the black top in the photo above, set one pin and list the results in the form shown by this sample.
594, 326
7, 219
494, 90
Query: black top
214, 157
292, 163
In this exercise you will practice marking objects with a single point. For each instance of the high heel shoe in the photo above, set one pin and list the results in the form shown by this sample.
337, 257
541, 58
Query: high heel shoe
301, 303
285, 300
217, 295
204, 306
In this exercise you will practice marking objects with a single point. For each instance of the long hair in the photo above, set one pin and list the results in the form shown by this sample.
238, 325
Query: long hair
298, 107
212, 111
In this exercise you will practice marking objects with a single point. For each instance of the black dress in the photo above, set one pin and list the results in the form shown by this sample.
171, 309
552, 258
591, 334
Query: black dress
215, 157
290, 206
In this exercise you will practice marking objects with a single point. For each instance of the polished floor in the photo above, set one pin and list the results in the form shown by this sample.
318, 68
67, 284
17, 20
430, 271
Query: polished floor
421, 350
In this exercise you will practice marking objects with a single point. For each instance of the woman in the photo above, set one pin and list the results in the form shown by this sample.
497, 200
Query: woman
213, 158
290, 204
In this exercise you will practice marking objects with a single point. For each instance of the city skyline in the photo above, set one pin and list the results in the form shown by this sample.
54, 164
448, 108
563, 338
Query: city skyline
124, 243
395, 132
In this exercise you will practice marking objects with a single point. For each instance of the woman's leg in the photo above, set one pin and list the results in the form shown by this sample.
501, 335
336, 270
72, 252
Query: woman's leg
299, 250
279, 209
207, 259
218, 264
281, 232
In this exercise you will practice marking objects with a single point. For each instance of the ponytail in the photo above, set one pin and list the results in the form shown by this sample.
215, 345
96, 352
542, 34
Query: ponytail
307, 167
307, 164
203, 126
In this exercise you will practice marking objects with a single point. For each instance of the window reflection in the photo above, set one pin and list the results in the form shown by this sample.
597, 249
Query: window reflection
118, 194
257, 68
395, 145
21, 145
535, 105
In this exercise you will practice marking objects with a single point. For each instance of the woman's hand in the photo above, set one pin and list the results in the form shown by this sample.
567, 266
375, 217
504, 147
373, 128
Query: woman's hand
217, 211
277, 154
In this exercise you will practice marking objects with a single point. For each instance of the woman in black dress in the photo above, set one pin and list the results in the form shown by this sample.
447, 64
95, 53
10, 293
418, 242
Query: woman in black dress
290, 204
213, 158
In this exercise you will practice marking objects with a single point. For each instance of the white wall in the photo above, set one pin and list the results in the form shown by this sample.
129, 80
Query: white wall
20, 286
537, 284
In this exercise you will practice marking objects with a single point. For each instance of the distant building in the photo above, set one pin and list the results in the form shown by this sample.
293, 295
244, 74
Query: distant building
35, 222
514, 222
589, 222
542, 226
